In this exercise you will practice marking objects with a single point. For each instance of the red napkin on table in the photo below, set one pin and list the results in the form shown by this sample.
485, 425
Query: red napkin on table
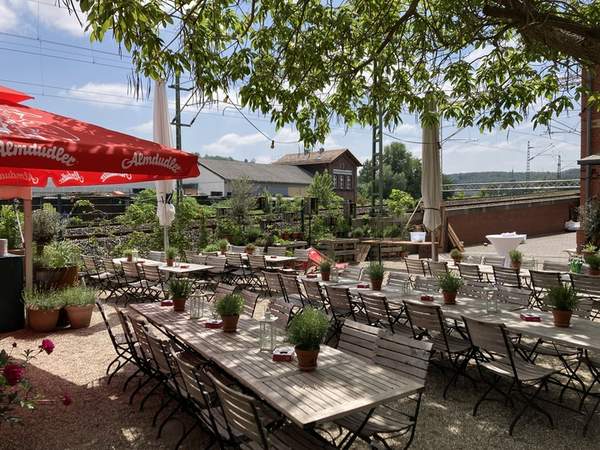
528, 317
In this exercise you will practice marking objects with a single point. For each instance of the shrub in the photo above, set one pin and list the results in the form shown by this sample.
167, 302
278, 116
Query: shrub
128, 252
399, 202
230, 305
590, 248
563, 298
250, 248
77, 296
593, 261
375, 271
515, 256
42, 300
307, 329
456, 254
9, 226
222, 244
450, 282
46, 225
59, 254
211, 248
590, 221
358, 232
180, 288
325, 266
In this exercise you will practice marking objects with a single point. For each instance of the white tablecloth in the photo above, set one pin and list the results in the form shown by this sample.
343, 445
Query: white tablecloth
505, 242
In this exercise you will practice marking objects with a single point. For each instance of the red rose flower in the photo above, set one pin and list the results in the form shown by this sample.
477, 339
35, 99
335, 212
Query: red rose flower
47, 346
13, 373
66, 399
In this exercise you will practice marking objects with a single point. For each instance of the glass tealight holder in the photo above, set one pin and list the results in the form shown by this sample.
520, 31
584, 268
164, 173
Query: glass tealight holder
267, 336
491, 302
197, 306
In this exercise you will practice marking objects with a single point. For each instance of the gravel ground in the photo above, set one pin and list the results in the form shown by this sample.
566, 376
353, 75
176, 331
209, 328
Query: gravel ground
101, 418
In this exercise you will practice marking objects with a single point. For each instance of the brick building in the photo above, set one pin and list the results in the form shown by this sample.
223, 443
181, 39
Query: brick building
340, 163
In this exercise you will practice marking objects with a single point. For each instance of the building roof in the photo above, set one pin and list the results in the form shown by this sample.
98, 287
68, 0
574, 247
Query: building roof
591, 160
264, 173
316, 157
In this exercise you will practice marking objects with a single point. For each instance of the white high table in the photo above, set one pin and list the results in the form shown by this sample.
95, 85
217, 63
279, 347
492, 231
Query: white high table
505, 242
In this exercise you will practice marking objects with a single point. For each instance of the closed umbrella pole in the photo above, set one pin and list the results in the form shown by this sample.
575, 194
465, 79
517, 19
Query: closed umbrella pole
165, 210
431, 182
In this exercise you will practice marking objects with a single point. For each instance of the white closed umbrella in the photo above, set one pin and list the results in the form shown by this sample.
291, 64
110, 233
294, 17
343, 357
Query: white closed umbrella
165, 210
431, 183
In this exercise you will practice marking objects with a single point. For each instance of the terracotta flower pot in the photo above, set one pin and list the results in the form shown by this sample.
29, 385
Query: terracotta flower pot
129, 258
169, 262
449, 297
179, 304
457, 260
46, 279
230, 323
516, 265
325, 276
562, 318
594, 272
376, 284
403, 254
250, 251
42, 320
307, 359
80, 316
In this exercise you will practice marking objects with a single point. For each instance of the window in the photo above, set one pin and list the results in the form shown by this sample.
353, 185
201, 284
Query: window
335, 181
348, 182
216, 194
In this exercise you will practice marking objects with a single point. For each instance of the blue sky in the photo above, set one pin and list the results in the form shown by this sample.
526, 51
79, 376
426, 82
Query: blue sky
45, 52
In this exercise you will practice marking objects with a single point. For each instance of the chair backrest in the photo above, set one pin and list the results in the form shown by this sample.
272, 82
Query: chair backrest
513, 295
282, 311
291, 286
90, 264
314, 293
493, 260
189, 254
237, 249
107, 324
273, 280
217, 262
585, 308
359, 340
222, 290
152, 273
194, 386
476, 290
156, 255
555, 266
257, 262
198, 259
250, 299
109, 266
139, 328
424, 317
528, 263
338, 299
471, 258
127, 330
544, 280
376, 308
427, 284
161, 353
398, 279
241, 413
506, 276
415, 266
278, 251
353, 273
437, 268
234, 259
586, 285
469, 272
488, 336
301, 254
410, 357
130, 270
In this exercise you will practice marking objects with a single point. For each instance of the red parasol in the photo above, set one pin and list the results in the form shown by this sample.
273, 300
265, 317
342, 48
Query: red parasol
36, 145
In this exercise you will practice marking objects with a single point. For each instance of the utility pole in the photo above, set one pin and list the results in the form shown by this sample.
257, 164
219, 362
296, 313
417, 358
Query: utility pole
177, 122
527, 167
377, 155
558, 168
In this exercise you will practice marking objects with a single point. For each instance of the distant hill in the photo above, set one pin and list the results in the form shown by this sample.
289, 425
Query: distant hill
494, 177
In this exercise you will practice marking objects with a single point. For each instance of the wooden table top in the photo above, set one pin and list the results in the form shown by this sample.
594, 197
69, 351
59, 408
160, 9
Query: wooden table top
177, 268
341, 385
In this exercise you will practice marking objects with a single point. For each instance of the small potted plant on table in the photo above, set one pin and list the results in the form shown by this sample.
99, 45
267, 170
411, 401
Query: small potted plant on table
325, 267
170, 255
563, 300
79, 303
250, 249
450, 284
516, 257
306, 332
376, 271
43, 309
223, 246
128, 254
593, 262
180, 290
229, 308
456, 255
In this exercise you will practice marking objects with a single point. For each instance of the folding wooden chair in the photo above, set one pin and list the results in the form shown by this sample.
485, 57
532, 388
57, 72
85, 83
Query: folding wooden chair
470, 272
380, 313
588, 287
359, 340
415, 267
493, 260
314, 294
437, 268
506, 276
555, 266
541, 283
291, 290
427, 321
513, 296
423, 284
276, 251
497, 355
250, 300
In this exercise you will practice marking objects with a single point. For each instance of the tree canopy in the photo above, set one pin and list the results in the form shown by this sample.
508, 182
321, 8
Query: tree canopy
310, 62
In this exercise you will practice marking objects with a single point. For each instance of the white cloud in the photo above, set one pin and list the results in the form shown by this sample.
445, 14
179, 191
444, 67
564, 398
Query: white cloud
8, 19
115, 95
53, 16
144, 129
230, 142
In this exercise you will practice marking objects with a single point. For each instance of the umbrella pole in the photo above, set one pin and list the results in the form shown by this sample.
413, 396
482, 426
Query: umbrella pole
165, 238
434, 252
28, 243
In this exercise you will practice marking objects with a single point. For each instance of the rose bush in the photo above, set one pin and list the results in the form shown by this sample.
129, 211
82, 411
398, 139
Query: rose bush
15, 389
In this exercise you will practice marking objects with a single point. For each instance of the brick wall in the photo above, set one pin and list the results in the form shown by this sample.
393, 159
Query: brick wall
534, 218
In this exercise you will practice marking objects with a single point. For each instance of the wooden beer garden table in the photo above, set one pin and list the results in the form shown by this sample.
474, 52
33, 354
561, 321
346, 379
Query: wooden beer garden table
341, 385
176, 269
